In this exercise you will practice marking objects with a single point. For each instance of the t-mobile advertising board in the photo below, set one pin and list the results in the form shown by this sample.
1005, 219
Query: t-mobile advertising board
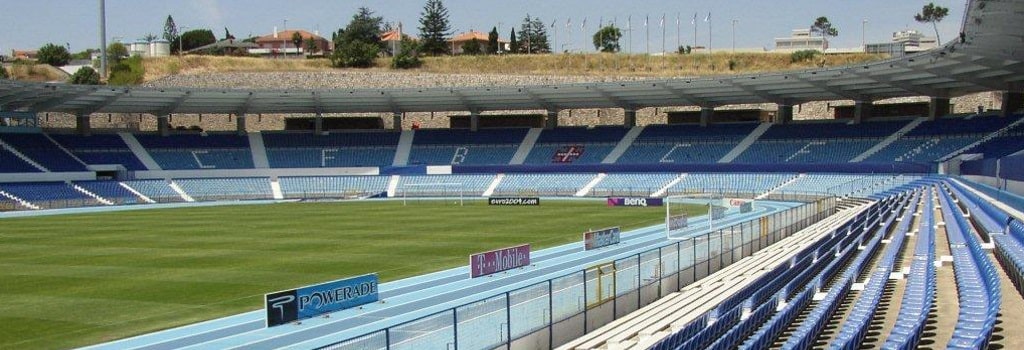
495, 261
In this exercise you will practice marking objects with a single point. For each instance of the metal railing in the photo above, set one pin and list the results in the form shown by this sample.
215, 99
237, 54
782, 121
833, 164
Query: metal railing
556, 311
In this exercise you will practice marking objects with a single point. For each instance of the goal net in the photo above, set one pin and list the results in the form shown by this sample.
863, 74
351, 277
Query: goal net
448, 193
680, 213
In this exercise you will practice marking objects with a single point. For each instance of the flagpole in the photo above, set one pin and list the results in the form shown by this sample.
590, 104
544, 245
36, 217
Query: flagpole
709, 32
647, 33
679, 41
554, 44
629, 37
694, 23
662, 34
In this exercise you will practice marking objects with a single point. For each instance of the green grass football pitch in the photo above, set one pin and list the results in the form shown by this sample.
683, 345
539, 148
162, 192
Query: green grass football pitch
75, 280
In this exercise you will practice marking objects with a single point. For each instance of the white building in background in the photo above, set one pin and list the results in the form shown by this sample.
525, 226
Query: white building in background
903, 42
914, 40
801, 39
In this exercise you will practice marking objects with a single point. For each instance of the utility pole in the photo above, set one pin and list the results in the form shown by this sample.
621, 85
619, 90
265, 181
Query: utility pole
863, 32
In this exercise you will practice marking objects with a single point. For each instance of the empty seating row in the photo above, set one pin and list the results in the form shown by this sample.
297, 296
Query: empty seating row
100, 149
543, 184
226, 189
919, 294
443, 185
312, 187
43, 151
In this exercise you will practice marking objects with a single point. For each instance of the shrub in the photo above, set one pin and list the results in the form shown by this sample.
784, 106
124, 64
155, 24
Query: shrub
85, 76
127, 72
54, 55
803, 56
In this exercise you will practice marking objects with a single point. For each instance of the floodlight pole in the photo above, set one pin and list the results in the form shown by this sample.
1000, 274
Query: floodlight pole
103, 39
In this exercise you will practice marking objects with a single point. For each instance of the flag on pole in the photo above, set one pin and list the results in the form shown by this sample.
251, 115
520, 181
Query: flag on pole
708, 18
584, 24
677, 19
694, 20
662, 23
648, 17
629, 22
553, 22
568, 22
600, 22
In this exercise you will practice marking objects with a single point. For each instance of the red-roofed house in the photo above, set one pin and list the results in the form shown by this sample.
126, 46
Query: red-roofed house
461, 39
281, 43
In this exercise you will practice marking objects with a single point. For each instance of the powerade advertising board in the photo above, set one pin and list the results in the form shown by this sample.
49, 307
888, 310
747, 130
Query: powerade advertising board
634, 202
601, 238
311, 301
495, 261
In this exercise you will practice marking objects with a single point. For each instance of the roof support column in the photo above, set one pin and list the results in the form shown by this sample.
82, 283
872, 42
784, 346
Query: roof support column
474, 121
82, 125
862, 110
784, 115
937, 107
629, 118
551, 121
1013, 101
706, 113
396, 121
318, 123
163, 124
240, 124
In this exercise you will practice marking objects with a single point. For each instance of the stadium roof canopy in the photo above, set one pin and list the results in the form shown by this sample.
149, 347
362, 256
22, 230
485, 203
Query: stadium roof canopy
986, 56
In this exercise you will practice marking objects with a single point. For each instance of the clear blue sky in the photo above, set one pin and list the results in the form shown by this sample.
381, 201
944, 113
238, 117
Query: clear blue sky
30, 24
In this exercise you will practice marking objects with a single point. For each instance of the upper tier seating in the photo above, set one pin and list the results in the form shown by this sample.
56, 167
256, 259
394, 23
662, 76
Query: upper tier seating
345, 149
575, 145
193, 151
11, 163
459, 146
833, 130
43, 151
100, 149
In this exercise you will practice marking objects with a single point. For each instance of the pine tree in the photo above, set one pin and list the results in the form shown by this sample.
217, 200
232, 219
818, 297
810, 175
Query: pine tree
434, 29
526, 35
170, 29
539, 40
492, 41
513, 44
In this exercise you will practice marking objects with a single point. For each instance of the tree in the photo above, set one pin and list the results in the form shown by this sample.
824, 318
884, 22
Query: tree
170, 29
3, 72
227, 34
526, 35
607, 39
85, 76
54, 55
358, 44
539, 40
823, 27
492, 41
117, 52
472, 47
407, 56
311, 46
196, 38
127, 72
434, 29
934, 14
513, 44
296, 39
150, 37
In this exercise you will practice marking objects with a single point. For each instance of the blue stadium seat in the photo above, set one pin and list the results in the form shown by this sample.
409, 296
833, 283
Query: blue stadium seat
43, 151
197, 152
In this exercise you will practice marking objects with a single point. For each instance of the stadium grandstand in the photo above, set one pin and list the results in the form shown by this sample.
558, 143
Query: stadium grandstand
869, 232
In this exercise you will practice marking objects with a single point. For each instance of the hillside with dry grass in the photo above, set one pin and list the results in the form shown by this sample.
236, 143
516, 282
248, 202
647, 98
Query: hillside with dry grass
595, 65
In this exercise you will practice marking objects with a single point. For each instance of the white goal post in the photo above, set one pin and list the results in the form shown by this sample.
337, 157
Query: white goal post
677, 220
446, 191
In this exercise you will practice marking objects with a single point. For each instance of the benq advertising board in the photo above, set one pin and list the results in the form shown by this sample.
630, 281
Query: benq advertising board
634, 202
495, 261
311, 301
601, 238
513, 201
